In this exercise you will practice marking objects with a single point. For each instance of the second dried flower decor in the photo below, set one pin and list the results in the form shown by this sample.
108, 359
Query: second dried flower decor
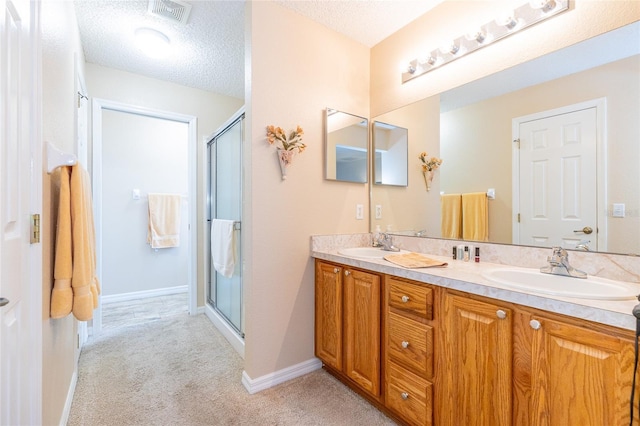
429, 165
286, 146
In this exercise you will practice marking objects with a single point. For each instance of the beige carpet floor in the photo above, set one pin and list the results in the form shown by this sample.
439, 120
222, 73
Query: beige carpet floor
181, 371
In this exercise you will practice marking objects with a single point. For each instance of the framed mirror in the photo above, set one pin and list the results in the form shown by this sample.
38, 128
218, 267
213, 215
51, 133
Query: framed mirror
390, 150
478, 149
346, 147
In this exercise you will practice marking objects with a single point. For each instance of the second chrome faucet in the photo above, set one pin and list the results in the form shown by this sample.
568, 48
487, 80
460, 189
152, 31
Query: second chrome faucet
559, 265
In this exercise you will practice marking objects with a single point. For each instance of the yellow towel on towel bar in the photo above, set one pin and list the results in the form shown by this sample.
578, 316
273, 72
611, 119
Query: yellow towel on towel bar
475, 216
164, 220
451, 210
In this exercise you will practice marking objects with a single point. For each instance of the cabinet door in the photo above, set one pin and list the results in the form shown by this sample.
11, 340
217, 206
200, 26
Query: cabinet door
579, 376
362, 329
329, 314
477, 361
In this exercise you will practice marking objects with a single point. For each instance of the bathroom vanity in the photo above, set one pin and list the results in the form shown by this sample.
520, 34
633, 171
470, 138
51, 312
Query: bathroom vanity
442, 346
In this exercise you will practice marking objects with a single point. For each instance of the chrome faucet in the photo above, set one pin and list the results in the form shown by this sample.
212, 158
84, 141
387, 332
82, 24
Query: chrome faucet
583, 245
559, 265
385, 241
421, 233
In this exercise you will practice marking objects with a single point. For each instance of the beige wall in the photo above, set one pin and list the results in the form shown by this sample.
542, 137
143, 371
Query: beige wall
296, 69
453, 18
468, 141
413, 207
60, 46
211, 109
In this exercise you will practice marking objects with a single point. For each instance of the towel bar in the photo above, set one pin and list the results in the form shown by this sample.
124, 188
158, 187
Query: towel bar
57, 158
236, 224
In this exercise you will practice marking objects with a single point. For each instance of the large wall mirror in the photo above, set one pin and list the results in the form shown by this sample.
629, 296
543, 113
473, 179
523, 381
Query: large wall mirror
346, 146
470, 128
390, 145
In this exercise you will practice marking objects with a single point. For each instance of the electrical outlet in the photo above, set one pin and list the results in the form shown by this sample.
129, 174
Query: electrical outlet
378, 211
359, 211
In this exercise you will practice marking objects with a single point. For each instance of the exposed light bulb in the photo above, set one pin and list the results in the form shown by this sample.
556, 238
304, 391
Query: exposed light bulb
450, 47
544, 5
507, 20
153, 43
478, 35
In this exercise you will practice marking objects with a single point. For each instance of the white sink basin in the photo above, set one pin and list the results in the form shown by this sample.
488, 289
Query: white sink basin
367, 252
589, 288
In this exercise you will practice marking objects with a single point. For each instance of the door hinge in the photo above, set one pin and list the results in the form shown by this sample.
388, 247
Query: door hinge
518, 217
517, 141
35, 228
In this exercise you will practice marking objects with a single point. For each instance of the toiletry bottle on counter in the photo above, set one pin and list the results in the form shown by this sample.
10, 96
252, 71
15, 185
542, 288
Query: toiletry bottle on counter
455, 252
466, 253
460, 252
477, 254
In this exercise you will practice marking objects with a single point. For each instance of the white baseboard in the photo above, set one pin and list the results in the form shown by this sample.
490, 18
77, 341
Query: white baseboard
225, 329
269, 380
67, 405
143, 294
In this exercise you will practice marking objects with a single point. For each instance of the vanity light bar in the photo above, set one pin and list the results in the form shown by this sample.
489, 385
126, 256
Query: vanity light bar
509, 23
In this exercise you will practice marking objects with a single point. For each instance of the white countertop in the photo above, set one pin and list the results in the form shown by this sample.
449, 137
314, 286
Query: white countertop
467, 277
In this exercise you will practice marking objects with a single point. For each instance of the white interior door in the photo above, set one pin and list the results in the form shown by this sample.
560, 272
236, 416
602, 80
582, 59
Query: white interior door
558, 180
17, 135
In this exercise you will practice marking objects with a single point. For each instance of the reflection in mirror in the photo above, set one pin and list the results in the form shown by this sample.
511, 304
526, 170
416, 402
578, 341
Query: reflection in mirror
390, 144
475, 132
346, 146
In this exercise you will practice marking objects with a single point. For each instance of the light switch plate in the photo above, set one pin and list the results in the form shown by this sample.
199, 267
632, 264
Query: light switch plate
618, 210
378, 211
359, 211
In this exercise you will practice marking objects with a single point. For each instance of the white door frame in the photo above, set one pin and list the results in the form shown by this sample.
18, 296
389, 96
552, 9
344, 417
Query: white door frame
98, 106
600, 105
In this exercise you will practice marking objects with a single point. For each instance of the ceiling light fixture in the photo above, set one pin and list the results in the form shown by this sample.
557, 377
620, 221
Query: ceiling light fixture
514, 21
153, 43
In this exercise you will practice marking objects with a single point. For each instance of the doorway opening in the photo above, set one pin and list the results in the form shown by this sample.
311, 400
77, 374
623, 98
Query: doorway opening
135, 151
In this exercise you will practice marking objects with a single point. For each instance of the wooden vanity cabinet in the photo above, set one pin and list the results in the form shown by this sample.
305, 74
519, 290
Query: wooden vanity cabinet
347, 330
408, 350
506, 364
476, 360
572, 372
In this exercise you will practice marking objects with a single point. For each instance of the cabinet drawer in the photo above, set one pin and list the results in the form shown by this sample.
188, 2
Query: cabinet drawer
413, 298
410, 344
409, 396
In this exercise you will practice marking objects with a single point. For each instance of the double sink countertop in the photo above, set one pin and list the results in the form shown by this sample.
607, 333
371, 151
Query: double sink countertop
469, 277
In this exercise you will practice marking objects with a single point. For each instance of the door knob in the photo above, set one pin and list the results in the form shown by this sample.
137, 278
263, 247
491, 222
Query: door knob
3, 301
585, 230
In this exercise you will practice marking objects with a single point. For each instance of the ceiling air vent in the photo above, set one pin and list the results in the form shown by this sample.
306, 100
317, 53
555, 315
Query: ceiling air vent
172, 10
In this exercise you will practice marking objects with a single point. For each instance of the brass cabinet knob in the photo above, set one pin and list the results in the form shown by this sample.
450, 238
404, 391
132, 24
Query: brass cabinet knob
535, 324
404, 395
405, 299
501, 314
405, 344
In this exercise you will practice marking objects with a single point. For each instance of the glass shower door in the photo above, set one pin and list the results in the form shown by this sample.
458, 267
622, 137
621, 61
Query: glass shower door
225, 202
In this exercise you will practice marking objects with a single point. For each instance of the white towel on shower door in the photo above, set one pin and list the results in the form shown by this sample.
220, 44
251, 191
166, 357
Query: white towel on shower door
223, 246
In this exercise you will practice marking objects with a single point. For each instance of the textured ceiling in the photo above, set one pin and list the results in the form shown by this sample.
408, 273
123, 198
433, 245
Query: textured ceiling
208, 52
